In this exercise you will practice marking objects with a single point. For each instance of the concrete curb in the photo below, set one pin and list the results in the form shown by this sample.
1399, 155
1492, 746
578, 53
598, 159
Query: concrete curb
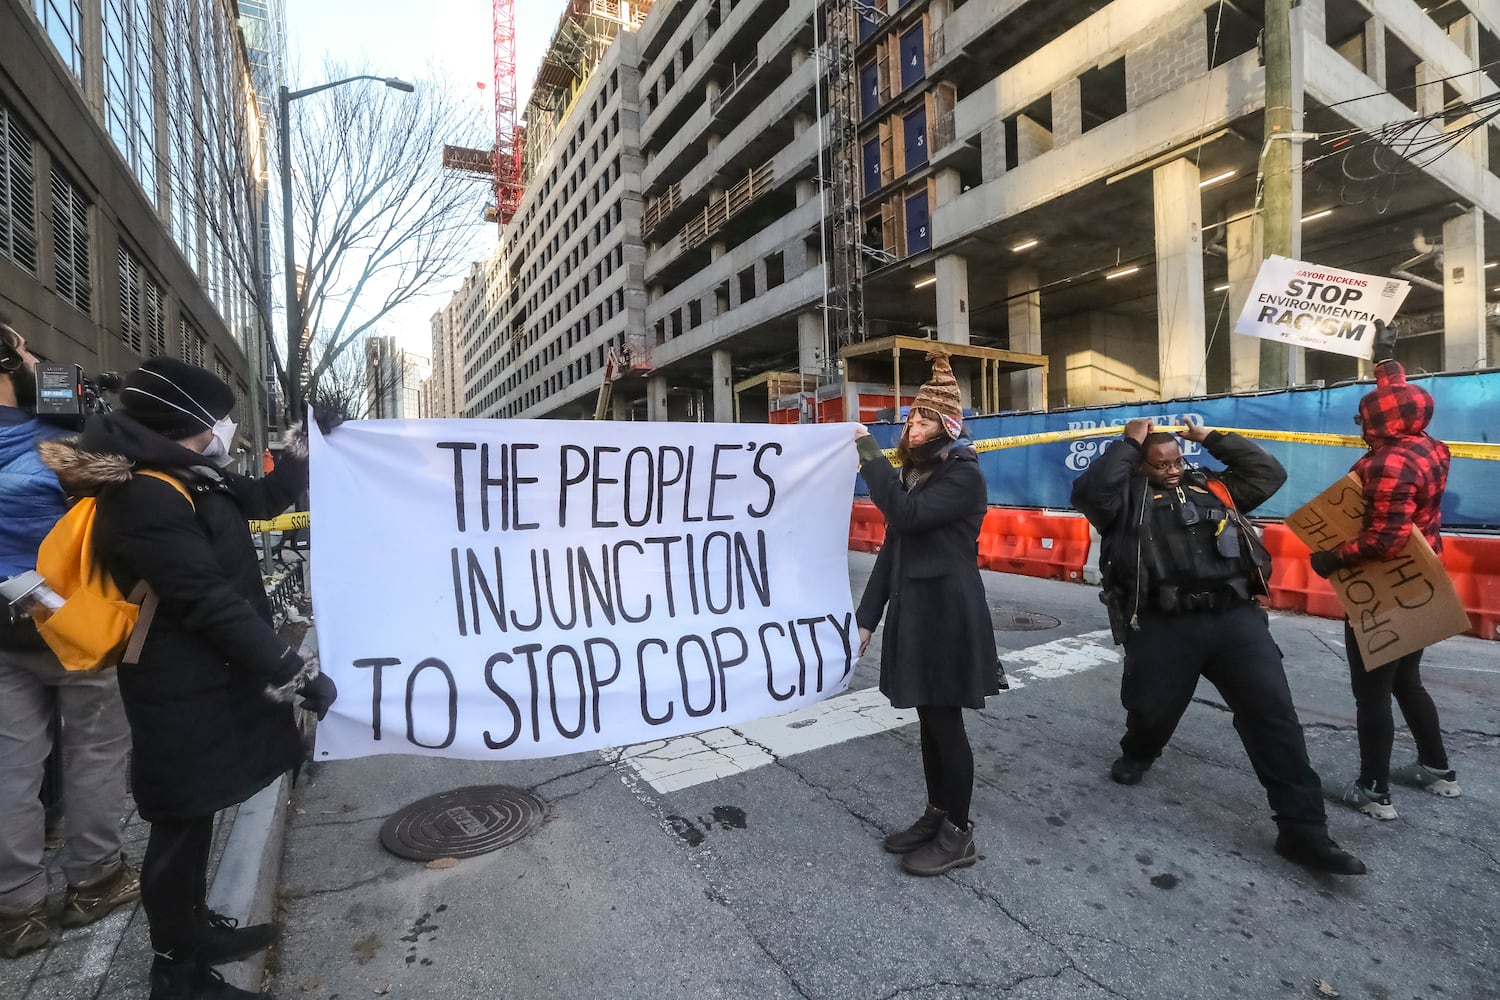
250, 869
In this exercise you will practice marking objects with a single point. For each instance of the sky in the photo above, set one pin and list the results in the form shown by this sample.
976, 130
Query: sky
403, 38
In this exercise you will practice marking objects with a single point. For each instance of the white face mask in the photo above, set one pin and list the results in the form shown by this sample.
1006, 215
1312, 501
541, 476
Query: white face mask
223, 439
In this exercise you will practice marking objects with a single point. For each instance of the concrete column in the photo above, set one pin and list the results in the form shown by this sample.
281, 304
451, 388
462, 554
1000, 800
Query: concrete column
810, 343
1245, 240
1024, 310
801, 123
716, 250
723, 387
1465, 34
953, 299
1465, 344
656, 397
949, 184
619, 407
992, 150
806, 191
1179, 279
1375, 50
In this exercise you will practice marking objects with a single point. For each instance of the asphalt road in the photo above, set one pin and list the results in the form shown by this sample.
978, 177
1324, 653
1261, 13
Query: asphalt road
771, 883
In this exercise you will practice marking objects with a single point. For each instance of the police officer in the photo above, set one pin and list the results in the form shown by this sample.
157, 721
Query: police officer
1181, 568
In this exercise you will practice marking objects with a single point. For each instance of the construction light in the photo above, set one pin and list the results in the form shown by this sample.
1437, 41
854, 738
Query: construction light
1491, 264
1024, 246
1120, 273
1221, 288
925, 282
1315, 216
1217, 178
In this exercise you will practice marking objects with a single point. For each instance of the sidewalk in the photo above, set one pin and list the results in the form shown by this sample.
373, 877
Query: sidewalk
111, 959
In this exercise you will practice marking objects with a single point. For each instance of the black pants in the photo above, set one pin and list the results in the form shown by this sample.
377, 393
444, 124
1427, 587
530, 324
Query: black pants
947, 761
1234, 650
174, 883
1372, 713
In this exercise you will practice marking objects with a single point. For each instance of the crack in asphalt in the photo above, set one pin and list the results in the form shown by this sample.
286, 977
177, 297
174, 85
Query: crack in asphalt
387, 876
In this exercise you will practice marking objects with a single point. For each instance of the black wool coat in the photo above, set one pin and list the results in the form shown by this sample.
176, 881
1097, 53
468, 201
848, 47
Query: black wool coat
210, 702
938, 647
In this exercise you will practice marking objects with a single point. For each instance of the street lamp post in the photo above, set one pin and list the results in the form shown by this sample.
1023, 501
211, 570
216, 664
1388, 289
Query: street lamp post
294, 318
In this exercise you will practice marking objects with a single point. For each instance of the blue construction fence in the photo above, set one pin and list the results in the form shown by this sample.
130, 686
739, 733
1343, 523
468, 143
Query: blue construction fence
1468, 409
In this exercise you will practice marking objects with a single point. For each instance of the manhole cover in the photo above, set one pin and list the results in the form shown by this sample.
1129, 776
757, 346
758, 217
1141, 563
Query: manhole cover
462, 823
1023, 621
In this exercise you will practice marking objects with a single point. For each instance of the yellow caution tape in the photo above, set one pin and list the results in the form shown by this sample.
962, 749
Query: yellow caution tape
284, 522
1459, 449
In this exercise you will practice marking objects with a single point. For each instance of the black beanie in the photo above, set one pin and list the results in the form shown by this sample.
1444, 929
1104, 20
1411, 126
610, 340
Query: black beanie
176, 399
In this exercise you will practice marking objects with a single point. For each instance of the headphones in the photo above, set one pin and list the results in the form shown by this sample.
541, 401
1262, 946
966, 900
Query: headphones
10, 358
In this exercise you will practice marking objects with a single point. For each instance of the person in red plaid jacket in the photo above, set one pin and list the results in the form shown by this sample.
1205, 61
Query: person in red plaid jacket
1404, 474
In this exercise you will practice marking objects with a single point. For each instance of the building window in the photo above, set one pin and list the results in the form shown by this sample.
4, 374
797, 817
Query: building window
70, 243
192, 343
142, 319
17, 194
129, 86
62, 20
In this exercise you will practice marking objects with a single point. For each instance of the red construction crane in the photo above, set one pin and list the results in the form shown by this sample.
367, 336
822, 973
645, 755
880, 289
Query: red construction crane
508, 135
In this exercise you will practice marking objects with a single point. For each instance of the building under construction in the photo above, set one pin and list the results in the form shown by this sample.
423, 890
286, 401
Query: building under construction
1072, 194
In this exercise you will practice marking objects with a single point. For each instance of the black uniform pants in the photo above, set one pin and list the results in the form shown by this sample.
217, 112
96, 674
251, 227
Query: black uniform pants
1233, 649
1372, 713
174, 882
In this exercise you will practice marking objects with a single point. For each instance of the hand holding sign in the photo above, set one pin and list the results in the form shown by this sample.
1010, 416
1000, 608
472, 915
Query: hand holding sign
1385, 340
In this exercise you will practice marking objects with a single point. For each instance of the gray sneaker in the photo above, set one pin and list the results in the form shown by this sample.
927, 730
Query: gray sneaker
1357, 796
1444, 783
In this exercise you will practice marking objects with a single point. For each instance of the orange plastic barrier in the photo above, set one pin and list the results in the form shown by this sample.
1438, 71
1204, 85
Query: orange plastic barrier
866, 527
1474, 565
1031, 543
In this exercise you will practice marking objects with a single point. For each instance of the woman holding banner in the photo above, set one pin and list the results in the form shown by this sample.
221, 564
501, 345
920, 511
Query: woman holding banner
938, 648
209, 697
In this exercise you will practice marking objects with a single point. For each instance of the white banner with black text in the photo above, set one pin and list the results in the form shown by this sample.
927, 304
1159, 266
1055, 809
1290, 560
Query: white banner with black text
496, 589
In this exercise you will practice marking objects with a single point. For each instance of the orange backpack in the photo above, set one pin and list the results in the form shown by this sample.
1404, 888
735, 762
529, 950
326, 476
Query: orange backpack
97, 626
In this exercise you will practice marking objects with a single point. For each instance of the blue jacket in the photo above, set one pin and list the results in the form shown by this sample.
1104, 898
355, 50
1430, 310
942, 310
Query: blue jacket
31, 501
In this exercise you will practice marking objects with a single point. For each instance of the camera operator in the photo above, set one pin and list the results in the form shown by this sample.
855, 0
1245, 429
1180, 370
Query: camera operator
94, 737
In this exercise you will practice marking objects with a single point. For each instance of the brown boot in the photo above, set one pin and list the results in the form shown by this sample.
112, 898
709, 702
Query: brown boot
951, 848
919, 833
25, 932
85, 904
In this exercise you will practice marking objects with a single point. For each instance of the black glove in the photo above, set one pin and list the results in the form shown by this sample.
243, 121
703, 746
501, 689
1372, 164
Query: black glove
318, 695
327, 418
1324, 563
1385, 341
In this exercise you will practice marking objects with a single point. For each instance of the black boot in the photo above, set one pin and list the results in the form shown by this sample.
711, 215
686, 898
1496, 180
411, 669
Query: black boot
222, 940
917, 834
951, 848
192, 979
1129, 770
1310, 846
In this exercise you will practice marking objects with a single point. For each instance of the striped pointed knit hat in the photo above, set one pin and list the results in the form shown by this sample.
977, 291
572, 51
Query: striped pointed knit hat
940, 394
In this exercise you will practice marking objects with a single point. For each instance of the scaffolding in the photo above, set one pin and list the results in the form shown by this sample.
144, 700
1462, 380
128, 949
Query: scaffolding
583, 35
840, 175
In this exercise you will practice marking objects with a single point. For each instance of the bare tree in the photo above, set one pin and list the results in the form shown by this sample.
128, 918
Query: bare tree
379, 221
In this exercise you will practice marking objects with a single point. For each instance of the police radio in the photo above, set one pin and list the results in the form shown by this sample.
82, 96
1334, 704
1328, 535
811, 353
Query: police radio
64, 395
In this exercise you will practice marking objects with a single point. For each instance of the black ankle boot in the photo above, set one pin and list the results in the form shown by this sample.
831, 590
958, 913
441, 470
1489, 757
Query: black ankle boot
951, 848
221, 939
192, 979
1310, 846
919, 833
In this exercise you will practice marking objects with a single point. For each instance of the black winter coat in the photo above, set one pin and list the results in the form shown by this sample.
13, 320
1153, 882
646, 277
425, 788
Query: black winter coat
938, 647
1112, 491
209, 703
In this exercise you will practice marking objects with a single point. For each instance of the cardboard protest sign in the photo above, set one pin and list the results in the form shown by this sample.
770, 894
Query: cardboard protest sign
1395, 607
1324, 308
494, 589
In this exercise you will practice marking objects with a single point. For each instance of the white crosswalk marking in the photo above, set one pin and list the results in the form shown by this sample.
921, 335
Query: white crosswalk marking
685, 761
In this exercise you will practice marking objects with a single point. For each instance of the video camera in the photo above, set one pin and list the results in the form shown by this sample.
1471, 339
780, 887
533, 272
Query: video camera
64, 395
